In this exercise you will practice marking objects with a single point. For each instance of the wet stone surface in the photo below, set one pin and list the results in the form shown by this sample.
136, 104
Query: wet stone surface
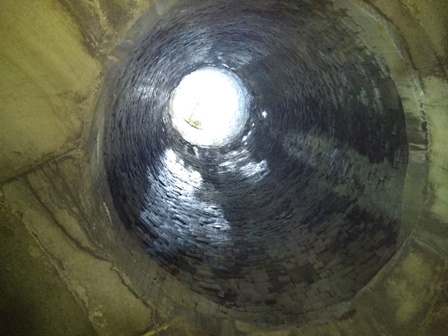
300, 210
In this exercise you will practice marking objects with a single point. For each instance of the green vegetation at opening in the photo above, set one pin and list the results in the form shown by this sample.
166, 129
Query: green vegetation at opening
194, 123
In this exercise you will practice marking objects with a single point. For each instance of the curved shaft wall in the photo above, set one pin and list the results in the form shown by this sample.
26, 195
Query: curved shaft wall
303, 208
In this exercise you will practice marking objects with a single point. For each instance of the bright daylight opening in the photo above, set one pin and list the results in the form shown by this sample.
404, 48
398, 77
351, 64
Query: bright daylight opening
209, 107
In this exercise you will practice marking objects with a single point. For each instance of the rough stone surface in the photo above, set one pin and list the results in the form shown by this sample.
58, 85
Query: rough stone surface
92, 279
46, 84
32, 292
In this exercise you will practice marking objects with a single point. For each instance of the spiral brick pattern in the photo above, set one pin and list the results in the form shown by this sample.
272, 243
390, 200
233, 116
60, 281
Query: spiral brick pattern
302, 208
